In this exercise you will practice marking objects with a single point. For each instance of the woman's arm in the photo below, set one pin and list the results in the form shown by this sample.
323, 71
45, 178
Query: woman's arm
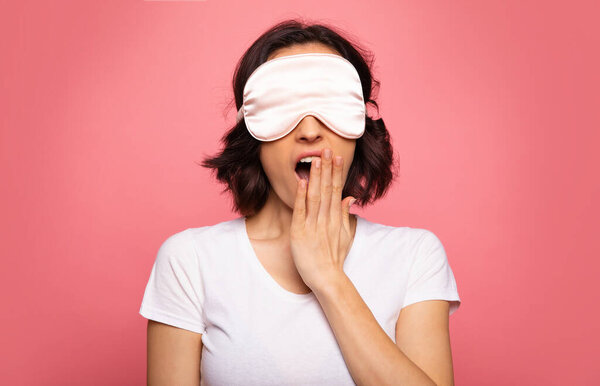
370, 355
174, 355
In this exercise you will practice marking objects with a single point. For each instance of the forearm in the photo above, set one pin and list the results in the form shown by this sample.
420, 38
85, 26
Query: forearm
370, 355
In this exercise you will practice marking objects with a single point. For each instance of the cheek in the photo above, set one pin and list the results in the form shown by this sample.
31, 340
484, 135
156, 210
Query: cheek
348, 161
275, 171
272, 159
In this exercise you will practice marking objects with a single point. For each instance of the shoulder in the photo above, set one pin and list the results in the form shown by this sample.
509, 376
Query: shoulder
402, 236
176, 242
184, 244
222, 229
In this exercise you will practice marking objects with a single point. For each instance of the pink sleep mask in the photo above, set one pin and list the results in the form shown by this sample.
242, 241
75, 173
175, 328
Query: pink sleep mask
282, 91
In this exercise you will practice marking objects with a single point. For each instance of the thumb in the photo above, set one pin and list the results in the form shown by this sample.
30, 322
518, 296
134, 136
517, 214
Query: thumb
348, 201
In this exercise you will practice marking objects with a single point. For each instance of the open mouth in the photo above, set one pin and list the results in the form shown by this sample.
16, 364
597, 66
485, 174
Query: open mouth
303, 170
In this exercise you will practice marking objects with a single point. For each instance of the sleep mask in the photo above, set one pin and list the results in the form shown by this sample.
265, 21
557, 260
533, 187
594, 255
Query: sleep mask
282, 91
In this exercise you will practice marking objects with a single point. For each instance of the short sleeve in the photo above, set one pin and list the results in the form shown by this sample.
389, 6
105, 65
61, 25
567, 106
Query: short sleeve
174, 292
430, 276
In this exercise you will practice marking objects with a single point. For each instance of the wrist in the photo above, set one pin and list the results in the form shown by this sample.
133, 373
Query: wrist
331, 284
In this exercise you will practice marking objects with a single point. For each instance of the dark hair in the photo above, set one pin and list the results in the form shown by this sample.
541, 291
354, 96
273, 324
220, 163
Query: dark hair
239, 166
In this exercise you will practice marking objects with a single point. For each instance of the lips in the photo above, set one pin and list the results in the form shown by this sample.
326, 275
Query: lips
311, 153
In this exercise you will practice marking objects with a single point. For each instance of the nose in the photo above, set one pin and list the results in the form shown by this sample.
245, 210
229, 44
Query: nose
309, 128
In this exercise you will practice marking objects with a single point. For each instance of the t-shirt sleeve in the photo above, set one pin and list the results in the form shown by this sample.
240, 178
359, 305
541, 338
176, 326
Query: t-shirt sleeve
430, 276
174, 293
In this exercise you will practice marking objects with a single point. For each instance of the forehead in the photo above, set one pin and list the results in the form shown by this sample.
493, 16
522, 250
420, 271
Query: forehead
303, 48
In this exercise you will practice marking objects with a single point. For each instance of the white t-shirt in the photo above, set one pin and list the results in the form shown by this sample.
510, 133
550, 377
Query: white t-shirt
254, 332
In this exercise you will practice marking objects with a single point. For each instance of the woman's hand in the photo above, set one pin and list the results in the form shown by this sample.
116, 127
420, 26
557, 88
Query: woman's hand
320, 234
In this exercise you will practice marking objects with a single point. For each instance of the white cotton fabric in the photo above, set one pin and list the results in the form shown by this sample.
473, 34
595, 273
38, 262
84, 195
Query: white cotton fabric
254, 332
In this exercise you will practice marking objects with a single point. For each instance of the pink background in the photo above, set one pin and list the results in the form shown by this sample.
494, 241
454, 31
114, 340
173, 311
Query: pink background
493, 108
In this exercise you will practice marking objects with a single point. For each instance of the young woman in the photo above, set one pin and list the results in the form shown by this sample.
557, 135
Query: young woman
298, 291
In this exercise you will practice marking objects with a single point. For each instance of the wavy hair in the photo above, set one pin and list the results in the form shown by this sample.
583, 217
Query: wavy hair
238, 164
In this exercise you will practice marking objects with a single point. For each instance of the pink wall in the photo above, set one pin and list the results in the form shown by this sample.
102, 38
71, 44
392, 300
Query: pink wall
493, 109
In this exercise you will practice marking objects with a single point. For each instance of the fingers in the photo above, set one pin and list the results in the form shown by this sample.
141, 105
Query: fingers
336, 191
346, 213
326, 186
299, 213
324, 193
314, 189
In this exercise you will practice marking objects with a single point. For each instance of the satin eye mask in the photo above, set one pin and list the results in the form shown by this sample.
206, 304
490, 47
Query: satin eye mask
282, 91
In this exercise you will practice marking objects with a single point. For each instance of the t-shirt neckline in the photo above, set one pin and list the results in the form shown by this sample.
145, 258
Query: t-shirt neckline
266, 276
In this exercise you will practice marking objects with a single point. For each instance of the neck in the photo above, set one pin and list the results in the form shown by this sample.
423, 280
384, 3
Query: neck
274, 220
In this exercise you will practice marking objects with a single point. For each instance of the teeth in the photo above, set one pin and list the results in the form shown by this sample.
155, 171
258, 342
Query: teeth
307, 159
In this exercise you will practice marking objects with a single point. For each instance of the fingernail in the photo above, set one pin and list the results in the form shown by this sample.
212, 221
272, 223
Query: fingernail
352, 201
338, 160
327, 153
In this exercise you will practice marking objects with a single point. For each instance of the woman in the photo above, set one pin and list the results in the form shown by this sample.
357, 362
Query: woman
298, 291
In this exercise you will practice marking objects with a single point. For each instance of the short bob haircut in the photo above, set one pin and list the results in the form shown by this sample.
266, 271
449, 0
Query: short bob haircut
238, 165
